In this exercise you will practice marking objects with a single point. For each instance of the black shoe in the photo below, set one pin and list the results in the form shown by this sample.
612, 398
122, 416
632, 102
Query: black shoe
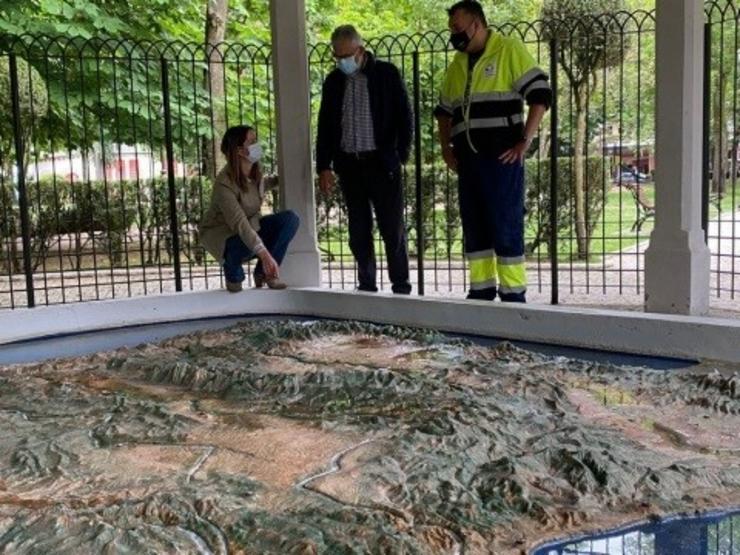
368, 288
401, 288
513, 297
482, 294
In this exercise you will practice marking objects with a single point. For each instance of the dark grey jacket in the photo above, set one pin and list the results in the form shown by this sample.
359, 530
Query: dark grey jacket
392, 118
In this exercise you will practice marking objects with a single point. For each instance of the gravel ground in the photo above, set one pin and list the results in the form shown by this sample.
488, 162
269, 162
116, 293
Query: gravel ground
592, 287
616, 281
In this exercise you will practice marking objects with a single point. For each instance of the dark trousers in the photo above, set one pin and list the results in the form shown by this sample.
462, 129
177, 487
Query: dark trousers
491, 197
366, 184
276, 231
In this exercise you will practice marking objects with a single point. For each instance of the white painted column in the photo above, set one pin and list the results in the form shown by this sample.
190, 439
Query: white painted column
302, 266
677, 260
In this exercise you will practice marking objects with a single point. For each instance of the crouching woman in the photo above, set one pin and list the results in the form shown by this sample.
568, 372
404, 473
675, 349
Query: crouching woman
233, 230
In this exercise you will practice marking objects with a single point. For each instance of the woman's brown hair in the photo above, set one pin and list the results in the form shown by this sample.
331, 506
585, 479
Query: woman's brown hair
233, 140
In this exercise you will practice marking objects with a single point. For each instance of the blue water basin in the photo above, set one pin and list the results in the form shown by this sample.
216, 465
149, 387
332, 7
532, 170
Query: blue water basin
715, 533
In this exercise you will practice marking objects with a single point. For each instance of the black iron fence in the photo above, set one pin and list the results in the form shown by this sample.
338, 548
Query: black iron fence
109, 148
118, 145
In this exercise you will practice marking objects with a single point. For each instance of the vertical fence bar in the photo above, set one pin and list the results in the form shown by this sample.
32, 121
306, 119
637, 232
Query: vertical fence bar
420, 239
21, 177
169, 147
707, 115
553, 247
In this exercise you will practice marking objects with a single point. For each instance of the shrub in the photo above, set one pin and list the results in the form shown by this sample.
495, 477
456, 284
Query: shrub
440, 209
108, 212
537, 179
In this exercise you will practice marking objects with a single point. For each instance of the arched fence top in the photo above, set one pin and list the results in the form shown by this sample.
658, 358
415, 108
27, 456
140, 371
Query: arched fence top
528, 31
623, 22
726, 10
100, 47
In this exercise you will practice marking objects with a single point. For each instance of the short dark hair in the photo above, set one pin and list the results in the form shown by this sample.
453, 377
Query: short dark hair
472, 7
346, 32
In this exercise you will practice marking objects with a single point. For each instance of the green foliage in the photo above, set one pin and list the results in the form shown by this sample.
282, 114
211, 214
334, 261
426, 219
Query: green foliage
34, 107
9, 229
589, 35
440, 209
101, 87
537, 179
591, 41
374, 18
380, 17
141, 19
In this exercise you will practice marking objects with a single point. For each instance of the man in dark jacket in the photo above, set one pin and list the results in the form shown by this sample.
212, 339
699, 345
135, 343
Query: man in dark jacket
364, 136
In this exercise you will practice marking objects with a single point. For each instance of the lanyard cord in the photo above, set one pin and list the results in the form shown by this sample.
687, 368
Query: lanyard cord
466, 104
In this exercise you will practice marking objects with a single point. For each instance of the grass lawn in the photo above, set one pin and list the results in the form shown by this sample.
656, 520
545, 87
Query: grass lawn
613, 232
614, 229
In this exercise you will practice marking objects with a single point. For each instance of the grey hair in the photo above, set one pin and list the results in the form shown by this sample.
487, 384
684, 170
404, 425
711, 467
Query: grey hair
346, 32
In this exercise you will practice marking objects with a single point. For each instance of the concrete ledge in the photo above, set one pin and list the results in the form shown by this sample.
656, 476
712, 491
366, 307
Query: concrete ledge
689, 337
24, 324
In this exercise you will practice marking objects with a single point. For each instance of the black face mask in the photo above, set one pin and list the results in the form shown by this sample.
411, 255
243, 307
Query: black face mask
461, 40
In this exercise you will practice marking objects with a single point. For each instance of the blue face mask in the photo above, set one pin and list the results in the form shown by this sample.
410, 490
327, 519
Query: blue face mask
348, 65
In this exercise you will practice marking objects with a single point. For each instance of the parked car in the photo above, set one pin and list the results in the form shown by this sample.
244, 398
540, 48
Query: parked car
631, 175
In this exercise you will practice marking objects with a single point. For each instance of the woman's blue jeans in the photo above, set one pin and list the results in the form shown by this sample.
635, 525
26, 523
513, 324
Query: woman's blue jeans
276, 231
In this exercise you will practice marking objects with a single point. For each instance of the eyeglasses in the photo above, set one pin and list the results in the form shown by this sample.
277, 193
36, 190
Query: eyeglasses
339, 56
464, 29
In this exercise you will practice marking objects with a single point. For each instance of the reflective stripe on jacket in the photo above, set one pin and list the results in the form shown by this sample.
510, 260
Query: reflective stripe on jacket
490, 118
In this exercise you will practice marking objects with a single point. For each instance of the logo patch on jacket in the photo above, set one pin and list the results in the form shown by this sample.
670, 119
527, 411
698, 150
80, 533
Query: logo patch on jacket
490, 70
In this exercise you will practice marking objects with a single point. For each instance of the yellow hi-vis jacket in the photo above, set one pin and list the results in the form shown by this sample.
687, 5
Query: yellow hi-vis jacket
487, 106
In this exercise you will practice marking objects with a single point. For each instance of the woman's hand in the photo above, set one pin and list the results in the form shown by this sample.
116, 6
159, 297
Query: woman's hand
269, 266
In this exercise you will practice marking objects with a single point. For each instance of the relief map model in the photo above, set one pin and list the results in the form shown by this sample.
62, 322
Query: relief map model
292, 437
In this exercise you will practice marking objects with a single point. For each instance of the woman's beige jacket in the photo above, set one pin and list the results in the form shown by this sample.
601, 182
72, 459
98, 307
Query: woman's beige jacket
233, 211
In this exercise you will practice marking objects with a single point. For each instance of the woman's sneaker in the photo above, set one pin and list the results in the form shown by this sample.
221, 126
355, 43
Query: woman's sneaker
234, 286
272, 283
275, 283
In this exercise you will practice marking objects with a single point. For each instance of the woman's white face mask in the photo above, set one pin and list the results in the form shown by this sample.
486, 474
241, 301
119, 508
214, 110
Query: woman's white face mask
254, 153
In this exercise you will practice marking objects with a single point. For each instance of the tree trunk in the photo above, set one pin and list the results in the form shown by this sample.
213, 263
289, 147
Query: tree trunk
719, 135
85, 155
14, 218
9, 230
216, 16
99, 153
543, 150
719, 132
579, 172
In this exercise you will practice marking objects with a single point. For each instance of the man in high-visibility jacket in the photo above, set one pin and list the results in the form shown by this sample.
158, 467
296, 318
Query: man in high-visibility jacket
484, 139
